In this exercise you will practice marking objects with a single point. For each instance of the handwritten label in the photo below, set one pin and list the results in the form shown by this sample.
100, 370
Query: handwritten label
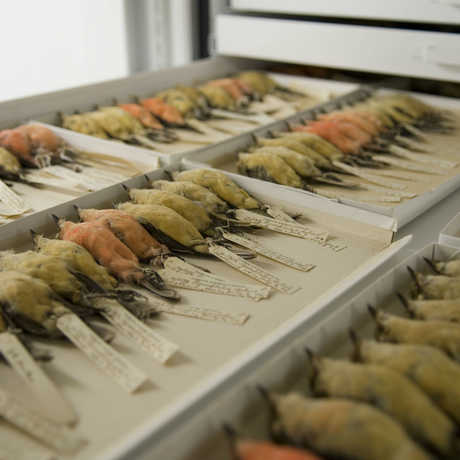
159, 347
11, 203
288, 228
416, 132
176, 279
411, 166
394, 193
56, 436
101, 354
177, 264
197, 312
249, 242
369, 177
207, 314
51, 400
251, 270
261, 119
336, 245
422, 158
78, 178
205, 129
278, 213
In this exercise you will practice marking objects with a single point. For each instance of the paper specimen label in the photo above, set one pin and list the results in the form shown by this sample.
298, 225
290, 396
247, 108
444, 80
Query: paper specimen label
196, 283
412, 166
11, 204
278, 213
206, 129
249, 242
56, 436
159, 347
78, 178
101, 354
398, 175
407, 142
394, 193
251, 270
88, 179
50, 399
288, 228
207, 314
416, 132
336, 245
422, 158
260, 119
179, 265
195, 138
369, 177
40, 177
198, 312
252, 291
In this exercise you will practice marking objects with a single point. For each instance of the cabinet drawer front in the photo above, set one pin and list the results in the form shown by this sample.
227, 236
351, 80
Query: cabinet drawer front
375, 49
430, 11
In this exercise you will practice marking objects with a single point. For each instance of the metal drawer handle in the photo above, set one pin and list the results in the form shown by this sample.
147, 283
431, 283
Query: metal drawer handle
442, 55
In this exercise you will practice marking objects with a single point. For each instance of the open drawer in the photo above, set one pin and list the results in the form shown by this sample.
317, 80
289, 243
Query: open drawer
426, 189
284, 367
118, 425
372, 49
430, 11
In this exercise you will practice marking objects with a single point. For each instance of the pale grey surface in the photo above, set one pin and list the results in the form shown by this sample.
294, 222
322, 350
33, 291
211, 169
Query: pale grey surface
425, 228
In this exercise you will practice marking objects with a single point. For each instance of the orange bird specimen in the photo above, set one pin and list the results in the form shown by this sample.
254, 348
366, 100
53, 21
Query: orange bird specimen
18, 144
249, 449
236, 88
164, 111
262, 450
41, 138
110, 252
127, 229
143, 115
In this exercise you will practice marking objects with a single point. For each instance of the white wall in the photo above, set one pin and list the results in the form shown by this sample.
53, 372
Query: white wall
53, 44
180, 12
